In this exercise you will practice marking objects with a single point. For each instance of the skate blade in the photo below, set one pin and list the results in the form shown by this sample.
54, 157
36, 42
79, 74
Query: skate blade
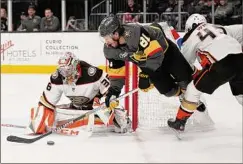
177, 133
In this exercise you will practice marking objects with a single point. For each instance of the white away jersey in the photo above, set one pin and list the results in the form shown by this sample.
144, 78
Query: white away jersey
235, 31
207, 42
93, 82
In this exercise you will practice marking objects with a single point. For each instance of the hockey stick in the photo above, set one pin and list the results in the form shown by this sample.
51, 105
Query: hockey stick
17, 139
65, 131
13, 126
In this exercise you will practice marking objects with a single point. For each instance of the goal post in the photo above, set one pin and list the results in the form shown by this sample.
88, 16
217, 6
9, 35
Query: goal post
151, 110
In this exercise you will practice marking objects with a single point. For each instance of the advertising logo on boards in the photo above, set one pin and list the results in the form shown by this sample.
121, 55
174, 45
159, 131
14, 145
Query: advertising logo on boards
6, 45
9, 52
58, 47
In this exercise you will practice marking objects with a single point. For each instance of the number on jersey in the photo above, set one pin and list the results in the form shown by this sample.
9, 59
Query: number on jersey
144, 40
48, 87
205, 33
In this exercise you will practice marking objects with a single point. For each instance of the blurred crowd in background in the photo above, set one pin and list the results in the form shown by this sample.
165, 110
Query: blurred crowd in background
45, 15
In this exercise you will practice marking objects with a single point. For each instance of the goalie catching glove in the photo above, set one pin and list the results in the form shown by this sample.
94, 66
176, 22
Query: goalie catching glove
110, 96
144, 83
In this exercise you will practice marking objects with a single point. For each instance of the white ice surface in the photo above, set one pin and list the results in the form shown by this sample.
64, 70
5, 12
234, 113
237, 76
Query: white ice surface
21, 92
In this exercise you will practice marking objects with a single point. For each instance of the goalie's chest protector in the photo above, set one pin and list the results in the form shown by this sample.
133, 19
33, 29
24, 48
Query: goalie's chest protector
86, 88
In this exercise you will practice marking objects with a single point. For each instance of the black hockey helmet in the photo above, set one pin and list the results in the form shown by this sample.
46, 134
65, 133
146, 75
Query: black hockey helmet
109, 25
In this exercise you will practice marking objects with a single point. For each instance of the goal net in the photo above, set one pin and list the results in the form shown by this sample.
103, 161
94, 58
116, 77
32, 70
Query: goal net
151, 110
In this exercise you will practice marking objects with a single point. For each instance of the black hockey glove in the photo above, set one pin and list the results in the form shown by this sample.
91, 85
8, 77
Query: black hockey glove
112, 94
144, 82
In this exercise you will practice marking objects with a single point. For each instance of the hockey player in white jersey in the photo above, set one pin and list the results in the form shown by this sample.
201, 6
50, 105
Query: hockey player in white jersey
84, 85
235, 31
221, 59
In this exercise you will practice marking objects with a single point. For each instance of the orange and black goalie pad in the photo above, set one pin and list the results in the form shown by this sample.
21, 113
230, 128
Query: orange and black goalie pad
41, 118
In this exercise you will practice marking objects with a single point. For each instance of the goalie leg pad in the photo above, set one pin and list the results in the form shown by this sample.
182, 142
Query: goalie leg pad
41, 118
106, 116
121, 121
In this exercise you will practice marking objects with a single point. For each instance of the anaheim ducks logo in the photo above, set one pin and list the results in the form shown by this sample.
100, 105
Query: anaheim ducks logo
79, 100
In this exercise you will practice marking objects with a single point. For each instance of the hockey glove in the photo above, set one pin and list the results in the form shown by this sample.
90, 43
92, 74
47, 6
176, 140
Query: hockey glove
110, 96
144, 82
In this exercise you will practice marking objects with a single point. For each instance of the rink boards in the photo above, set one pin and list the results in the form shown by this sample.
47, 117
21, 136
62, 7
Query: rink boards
39, 52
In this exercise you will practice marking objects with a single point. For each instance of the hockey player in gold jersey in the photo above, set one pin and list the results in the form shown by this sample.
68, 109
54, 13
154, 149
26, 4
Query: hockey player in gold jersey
161, 63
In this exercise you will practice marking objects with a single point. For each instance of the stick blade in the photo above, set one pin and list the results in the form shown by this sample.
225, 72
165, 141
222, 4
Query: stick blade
19, 139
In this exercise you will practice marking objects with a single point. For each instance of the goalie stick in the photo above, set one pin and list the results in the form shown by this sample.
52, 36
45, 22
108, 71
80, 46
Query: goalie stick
17, 139
64, 131
13, 126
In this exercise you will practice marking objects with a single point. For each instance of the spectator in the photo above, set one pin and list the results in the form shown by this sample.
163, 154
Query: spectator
130, 15
72, 24
237, 17
223, 12
31, 22
204, 7
49, 23
191, 7
158, 6
170, 16
171, 6
4, 19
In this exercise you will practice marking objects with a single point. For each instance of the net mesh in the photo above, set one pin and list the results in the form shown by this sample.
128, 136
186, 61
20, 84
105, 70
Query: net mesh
151, 110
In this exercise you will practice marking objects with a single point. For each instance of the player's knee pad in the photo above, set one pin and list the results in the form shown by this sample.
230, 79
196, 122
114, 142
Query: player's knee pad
41, 118
121, 121
239, 98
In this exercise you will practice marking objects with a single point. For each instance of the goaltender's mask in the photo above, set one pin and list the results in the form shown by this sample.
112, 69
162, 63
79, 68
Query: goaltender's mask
69, 68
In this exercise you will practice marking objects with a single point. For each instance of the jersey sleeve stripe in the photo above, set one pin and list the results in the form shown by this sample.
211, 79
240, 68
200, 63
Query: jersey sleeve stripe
155, 51
153, 48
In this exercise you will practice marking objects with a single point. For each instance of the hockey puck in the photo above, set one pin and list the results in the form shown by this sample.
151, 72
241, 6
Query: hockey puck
50, 142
